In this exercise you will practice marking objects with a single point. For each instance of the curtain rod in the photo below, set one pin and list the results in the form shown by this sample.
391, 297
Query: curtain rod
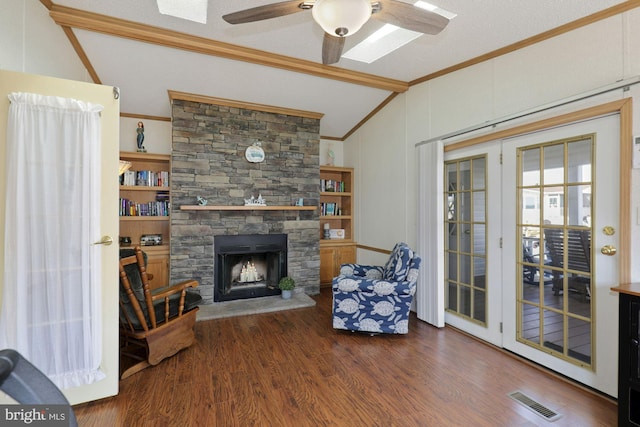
620, 84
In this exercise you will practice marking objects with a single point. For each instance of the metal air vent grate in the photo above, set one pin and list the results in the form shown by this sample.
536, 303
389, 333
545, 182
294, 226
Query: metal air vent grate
534, 406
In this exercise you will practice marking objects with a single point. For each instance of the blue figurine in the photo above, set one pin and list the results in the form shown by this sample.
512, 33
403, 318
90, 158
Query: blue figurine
140, 137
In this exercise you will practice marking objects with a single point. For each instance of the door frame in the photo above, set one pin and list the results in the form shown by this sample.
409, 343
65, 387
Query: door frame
624, 107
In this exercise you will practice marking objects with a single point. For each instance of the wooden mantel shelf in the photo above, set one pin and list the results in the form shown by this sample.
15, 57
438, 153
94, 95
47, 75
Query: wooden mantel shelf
246, 208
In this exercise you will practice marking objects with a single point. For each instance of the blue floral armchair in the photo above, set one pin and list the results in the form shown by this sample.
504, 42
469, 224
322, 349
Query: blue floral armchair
376, 299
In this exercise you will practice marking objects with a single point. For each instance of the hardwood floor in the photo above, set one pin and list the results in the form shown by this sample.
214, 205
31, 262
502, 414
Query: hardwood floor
291, 368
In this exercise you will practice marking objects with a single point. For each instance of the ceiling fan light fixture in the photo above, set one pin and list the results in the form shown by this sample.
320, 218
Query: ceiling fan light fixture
341, 17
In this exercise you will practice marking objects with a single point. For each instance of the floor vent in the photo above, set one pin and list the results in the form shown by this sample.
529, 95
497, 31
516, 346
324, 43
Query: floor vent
534, 406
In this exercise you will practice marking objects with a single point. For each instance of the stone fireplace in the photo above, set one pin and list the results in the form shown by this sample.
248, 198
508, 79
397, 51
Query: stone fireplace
249, 266
209, 140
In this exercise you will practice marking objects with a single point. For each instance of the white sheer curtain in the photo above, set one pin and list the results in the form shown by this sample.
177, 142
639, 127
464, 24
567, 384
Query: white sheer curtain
51, 295
430, 293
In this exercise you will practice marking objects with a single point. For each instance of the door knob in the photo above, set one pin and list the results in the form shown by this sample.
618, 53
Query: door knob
104, 240
608, 250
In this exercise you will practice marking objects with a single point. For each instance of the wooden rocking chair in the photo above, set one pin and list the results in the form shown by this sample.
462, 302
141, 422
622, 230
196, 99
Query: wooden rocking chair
154, 324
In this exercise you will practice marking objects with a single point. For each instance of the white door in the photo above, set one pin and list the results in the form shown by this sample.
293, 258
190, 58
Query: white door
560, 212
103, 95
557, 182
473, 277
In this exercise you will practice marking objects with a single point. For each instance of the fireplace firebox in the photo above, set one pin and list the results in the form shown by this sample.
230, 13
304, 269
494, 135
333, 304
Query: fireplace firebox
249, 265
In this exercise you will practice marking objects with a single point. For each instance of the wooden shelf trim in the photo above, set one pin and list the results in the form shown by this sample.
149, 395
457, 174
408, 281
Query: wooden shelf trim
134, 155
246, 208
143, 188
336, 193
144, 218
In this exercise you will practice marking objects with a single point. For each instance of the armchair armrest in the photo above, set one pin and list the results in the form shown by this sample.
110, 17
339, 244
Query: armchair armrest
179, 293
361, 270
375, 286
167, 291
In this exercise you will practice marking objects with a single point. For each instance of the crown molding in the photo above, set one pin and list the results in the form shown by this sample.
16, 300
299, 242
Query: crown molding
241, 104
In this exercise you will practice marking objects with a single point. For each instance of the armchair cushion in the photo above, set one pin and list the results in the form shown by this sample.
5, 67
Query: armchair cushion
397, 266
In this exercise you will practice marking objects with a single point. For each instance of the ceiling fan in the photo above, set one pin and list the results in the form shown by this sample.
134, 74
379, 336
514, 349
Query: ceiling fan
342, 18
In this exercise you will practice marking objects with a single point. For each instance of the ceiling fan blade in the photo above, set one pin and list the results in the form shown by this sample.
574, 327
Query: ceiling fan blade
268, 11
410, 17
331, 49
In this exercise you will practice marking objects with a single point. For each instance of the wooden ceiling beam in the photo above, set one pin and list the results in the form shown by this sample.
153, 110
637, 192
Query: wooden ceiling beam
76, 18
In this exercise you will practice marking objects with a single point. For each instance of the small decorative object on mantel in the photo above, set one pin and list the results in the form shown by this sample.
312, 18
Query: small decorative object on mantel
254, 153
140, 138
201, 201
255, 202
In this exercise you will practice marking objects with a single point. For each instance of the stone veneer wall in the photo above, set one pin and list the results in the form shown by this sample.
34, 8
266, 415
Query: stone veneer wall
208, 160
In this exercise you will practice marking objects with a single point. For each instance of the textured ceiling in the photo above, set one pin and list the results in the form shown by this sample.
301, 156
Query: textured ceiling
145, 72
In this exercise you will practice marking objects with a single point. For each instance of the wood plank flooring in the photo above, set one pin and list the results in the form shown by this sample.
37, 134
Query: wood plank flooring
290, 368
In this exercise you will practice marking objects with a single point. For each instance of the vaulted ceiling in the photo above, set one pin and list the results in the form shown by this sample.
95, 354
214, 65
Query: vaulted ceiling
277, 62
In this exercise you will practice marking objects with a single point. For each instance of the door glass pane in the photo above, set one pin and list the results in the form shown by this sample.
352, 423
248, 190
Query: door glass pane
553, 205
465, 269
478, 173
452, 296
464, 307
554, 294
465, 206
465, 175
579, 205
479, 303
553, 164
465, 240
479, 273
530, 323
479, 206
579, 339
553, 333
530, 167
453, 266
579, 161
479, 239
530, 206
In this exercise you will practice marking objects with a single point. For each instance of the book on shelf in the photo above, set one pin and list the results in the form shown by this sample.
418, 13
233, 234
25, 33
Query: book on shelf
145, 178
331, 186
330, 209
131, 208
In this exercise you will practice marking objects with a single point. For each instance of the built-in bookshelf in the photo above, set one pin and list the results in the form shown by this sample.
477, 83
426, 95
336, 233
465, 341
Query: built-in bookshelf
145, 201
336, 218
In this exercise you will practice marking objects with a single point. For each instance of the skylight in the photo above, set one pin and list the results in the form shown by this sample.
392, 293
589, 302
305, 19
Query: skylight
389, 38
192, 10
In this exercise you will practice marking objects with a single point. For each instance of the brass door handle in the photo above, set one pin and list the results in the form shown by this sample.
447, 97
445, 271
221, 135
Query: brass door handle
104, 240
608, 250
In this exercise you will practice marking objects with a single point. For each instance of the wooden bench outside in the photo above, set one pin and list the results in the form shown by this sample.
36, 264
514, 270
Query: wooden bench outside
578, 268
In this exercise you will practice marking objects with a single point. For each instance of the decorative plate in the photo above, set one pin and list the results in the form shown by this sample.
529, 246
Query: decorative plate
254, 153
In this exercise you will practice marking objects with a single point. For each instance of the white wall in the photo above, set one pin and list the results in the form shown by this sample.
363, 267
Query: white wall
573, 63
30, 42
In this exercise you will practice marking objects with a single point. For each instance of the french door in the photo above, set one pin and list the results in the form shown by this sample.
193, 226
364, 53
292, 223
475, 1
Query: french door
550, 223
472, 241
